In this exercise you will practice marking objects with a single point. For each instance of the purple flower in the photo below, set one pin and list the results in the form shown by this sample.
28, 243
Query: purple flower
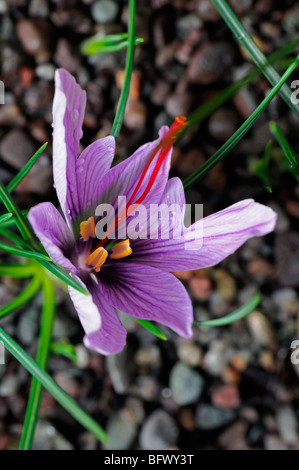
133, 276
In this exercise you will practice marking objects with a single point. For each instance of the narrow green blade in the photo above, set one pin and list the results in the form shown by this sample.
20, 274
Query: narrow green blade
68, 403
151, 327
65, 349
21, 175
282, 140
22, 298
239, 134
256, 54
11, 206
234, 316
99, 44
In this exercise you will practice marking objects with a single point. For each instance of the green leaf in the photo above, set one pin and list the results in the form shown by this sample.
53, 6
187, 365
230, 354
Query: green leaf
18, 270
42, 357
22, 298
253, 50
63, 276
25, 170
14, 250
5, 218
100, 44
211, 105
151, 327
260, 166
287, 149
63, 348
124, 94
239, 134
10, 221
11, 206
68, 403
234, 316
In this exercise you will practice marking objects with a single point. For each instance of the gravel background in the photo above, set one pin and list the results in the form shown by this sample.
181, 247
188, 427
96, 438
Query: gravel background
227, 388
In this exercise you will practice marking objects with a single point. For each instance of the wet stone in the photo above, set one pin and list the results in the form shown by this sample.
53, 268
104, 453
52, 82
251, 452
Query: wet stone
159, 431
185, 383
121, 430
209, 417
67, 56
190, 354
210, 62
223, 124
104, 11
287, 424
16, 148
36, 38
48, 438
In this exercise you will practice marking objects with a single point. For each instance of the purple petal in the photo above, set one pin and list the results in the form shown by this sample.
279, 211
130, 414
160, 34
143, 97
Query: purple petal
68, 113
122, 179
148, 294
92, 165
54, 234
218, 235
104, 331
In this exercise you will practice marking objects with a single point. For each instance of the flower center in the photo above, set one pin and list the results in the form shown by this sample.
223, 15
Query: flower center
122, 249
98, 256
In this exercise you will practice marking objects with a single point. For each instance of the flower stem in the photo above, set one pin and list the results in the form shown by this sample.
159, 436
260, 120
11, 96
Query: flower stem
42, 360
68, 403
120, 112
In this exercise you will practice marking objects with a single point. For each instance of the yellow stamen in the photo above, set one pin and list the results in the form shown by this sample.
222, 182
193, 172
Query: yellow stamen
88, 229
97, 258
121, 250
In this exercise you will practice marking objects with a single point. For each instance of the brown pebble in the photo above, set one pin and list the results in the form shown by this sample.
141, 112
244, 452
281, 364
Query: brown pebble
210, 62
135, 83
36, 36
226, 396
201, 288
27, 75
135, 115
259, 268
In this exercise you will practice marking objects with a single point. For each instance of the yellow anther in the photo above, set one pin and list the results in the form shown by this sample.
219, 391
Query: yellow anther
121, 250
88, 229
97, 258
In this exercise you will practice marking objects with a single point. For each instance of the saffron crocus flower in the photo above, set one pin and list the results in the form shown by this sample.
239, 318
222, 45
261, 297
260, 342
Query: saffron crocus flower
134, 276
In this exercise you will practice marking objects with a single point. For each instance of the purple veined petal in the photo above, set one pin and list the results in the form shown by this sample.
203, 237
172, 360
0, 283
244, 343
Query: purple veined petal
68, 113
104, 332
53, 232
148, 294
122, 179
219, 235
91, 166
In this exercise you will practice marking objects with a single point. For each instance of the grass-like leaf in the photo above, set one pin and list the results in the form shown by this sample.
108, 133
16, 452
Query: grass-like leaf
212, 104
99, 44
234, 316
68, 403
25, 170
151, 327
253, 50
65, 349
122, 103
18, 270
42, 357
22, 298
282, 140
260, 166
239, 134
11, 206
